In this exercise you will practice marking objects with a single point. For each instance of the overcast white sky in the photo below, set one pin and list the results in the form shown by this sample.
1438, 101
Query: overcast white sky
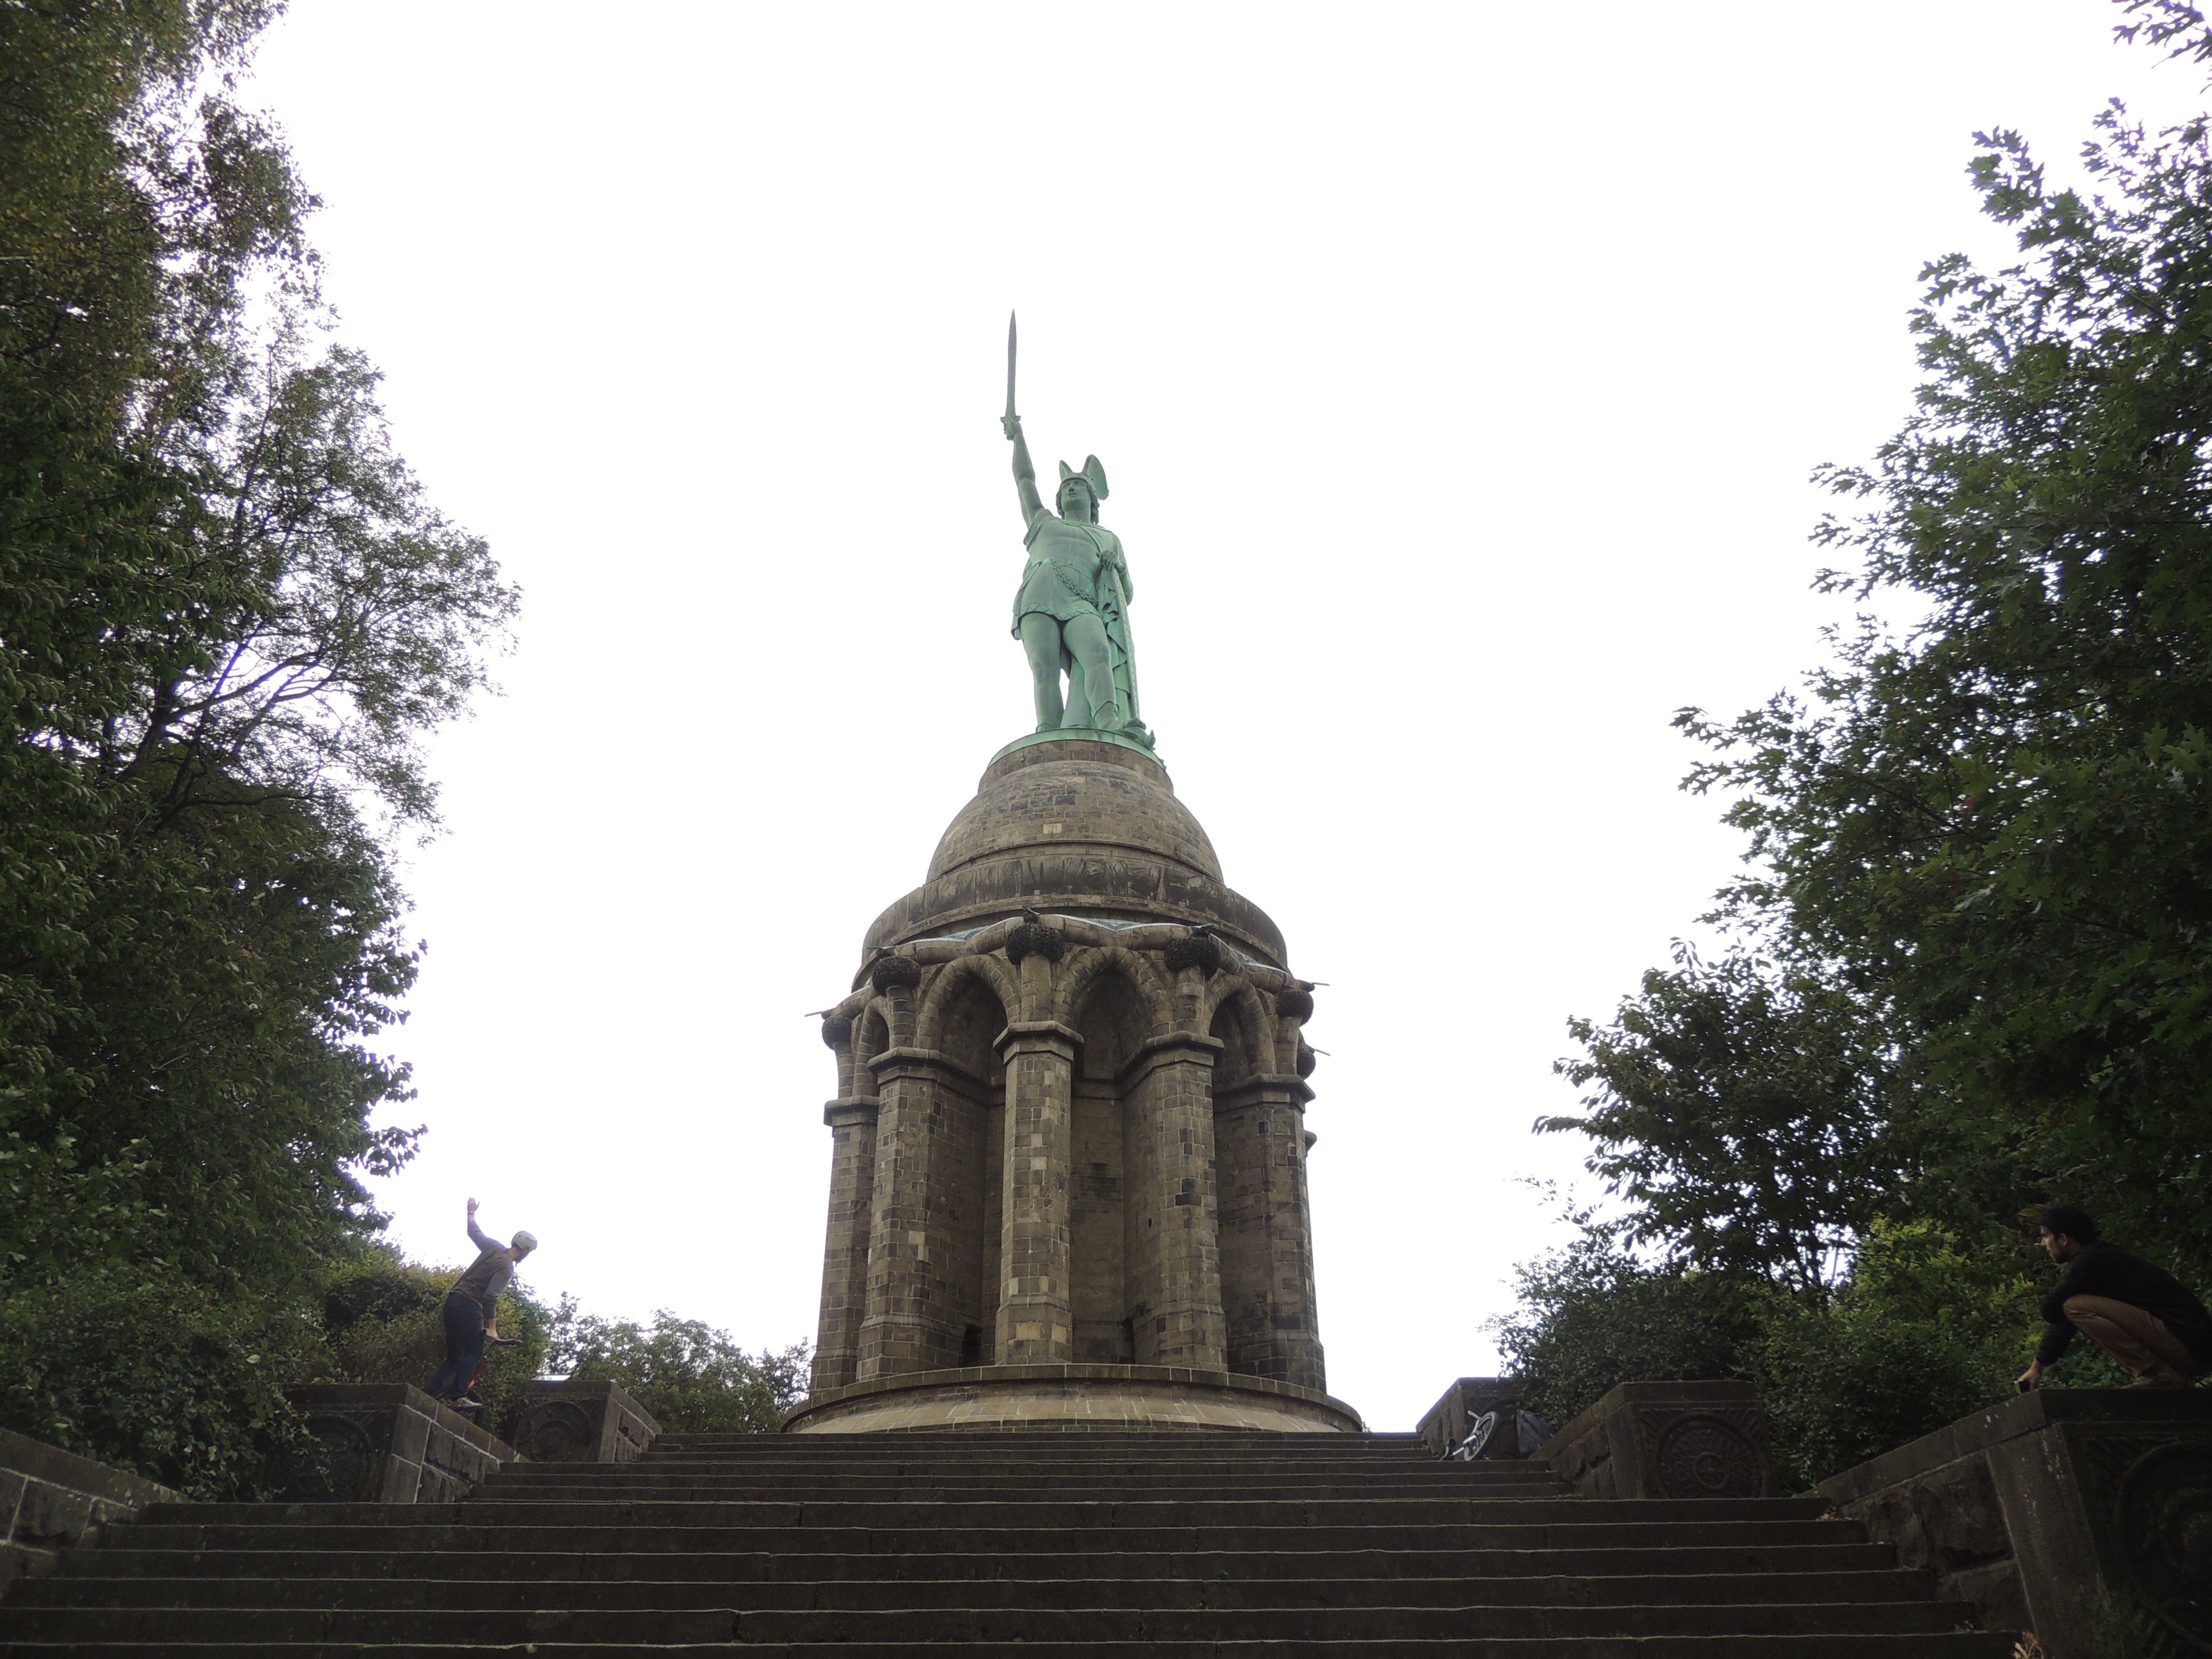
1458, 370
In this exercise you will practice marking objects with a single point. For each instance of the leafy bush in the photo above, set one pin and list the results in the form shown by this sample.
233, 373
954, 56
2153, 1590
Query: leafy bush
693, 1378
1919, 1335
1593, 1315
154, 1375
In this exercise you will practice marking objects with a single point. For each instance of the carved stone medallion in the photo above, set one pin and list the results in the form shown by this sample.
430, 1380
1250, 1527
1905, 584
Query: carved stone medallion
1704, 1456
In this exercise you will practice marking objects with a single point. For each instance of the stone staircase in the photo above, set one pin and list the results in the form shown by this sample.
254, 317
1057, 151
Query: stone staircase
1048, 1545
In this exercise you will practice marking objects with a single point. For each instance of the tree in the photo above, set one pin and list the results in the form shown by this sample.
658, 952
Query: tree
226, 619
692, 1377
1997, 824
1740, 1110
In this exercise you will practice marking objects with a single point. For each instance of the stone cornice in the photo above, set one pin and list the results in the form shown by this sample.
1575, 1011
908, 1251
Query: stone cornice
897, 1062
848, 1110
1031, 1035
1265, 1088
1166, 1048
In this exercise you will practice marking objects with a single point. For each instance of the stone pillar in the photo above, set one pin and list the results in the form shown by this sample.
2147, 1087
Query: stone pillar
1266, 1243
1035, 1316
851, 1120
2078, 1513
1173, 1257
926, 1214
1667, 1440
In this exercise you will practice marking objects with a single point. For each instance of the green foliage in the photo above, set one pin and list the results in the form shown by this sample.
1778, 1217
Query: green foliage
1981, 851
1920, 1334
1593, 1314
384, 1321
1740, 1110
1999, 826
227, 620
148, 1372
692, 1377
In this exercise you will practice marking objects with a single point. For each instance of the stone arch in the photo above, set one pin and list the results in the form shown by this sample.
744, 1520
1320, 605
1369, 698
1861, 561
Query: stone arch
1235, 992
1236, 1023
967, 1006
930, 1018
1114, 1018
871, 1034
1152, 988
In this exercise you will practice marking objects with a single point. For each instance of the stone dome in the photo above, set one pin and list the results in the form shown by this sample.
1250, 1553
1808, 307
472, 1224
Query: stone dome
1075, 793
1081, 825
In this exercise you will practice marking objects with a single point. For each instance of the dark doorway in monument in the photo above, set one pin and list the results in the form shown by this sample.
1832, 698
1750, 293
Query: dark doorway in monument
967, 1137
1113, 1020
1243, 1129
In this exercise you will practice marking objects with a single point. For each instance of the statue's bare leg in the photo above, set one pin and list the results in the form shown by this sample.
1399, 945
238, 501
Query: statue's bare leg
1087, 644
1041, 640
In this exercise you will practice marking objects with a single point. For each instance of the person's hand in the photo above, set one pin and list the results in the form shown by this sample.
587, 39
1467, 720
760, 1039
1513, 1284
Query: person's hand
472, 1207
2032, 1378
1011, 426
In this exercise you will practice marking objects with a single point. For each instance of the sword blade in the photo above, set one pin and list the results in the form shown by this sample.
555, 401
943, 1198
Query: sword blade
1010, 365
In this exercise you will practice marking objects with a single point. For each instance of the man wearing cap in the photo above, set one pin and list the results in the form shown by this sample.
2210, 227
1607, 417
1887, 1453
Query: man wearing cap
2138, 1313
473, 1311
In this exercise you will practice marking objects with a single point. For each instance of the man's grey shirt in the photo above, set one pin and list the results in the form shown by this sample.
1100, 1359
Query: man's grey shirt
488, 1275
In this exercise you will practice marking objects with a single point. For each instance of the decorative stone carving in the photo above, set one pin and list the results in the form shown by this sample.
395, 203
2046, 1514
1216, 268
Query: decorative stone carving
1667, 1440
1707, 1456
342, 1460
891, 971
2082, 1514
1200, 950
1034, 938
835, 1032
589, 1421
384, 1444
2162, 1534
1291, 1003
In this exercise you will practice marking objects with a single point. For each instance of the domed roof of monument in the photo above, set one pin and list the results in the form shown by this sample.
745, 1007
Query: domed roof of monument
1072, 793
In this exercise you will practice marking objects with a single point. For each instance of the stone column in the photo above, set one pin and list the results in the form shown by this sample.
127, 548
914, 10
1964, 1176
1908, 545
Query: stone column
851, 1120
1036, 1319
1173, 1258
927, 1216
1260, 1126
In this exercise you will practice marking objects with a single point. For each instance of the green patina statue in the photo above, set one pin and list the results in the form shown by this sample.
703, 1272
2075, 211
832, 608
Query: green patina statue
1072, 613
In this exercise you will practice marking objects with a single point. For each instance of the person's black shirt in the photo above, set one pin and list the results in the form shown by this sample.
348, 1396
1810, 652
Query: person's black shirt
2107, 1270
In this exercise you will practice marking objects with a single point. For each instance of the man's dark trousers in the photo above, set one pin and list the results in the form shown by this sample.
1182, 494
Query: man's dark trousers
464, 1346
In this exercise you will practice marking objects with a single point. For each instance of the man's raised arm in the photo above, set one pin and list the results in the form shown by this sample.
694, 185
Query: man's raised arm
1024, 473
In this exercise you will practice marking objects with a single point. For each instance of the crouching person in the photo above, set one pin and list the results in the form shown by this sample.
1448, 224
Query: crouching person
472, 1313
2138, 1313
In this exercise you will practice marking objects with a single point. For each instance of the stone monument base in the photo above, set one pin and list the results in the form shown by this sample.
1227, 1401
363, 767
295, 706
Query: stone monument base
1070, 1396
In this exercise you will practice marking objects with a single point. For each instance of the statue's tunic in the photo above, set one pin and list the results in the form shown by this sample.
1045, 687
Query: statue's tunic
1062, 581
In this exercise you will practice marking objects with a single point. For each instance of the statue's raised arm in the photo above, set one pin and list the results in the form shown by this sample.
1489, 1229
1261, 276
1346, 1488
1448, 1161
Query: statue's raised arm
1024, 470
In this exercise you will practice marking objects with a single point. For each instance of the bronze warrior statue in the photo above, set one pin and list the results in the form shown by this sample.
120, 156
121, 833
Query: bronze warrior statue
1072, 613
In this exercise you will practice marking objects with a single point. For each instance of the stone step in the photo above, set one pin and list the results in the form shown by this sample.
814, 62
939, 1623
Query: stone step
1034, 1515
1259, 1535
1060, 1467
983, 1492
663, 1626
796, 1564
1959, 1644
977, 1590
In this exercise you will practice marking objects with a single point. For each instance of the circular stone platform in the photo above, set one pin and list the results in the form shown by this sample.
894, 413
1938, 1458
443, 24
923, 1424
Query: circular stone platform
1068, 1397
